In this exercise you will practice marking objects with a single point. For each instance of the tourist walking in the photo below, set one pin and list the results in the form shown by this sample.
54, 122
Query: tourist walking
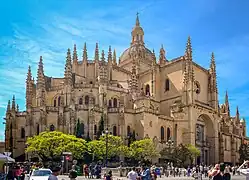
227, 175
243, 169
132, 175
215, 173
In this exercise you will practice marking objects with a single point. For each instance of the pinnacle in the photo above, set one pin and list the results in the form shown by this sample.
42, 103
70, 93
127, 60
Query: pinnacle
137, 20
103, 56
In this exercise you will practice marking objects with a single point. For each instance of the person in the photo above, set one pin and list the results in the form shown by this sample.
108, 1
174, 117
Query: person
109, 176
55, 173
145, 175
132, 175
215, 173
227, 175
244, 171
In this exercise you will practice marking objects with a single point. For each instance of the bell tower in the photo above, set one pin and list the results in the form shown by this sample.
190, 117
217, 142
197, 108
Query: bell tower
137, 33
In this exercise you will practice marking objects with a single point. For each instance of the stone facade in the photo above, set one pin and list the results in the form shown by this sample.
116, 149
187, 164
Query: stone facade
159, 98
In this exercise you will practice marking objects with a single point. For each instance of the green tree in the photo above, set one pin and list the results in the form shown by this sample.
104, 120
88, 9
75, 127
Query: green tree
243, 152
101, 127
50, 145
193, 152
143, 149
115, 147
181, 154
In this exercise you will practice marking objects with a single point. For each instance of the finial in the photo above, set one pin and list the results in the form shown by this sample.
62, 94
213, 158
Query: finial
114, 58
17, 108
188, 51
75, 56
137, 20
162, 57
29, 75
96, 57
237, 110
103, 56
8, 106
110, 54
85, 52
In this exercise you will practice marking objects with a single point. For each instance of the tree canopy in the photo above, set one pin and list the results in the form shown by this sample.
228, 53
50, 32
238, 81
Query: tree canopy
50, 145
243, 152
143, 149
115, 147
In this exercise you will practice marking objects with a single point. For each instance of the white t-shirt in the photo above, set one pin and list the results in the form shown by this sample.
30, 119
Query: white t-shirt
52, 177
245, 172
132, 175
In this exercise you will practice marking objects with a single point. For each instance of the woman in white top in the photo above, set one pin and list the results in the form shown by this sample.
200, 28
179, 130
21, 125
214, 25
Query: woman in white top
244, 171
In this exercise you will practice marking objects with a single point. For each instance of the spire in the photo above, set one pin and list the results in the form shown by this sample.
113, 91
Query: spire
96, 57
188, 51
162, 57
17, 108
40, 75
68, 68
237, 116
137, 20
8, 106
114, 58
137, 33
212, 71
227, 104
85, 53
75, 56
154, 57
110, 55
189, 69
29, 75
103, 57
13, 103
29, 88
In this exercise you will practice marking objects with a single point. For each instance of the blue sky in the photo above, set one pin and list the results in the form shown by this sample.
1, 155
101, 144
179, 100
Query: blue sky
30, 28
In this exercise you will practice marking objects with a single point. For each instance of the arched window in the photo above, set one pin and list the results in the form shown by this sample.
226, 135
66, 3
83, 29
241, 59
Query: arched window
115, 102
38, 129
80, 101
86, 100
59, 101
147, 90
114, 131
168, 134
128, 130
54, 102
82, 128
162, 134
95, 130
22, 133
167, 85
51, 128
110, 103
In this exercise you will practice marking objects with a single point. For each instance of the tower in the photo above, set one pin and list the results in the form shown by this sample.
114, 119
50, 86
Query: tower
162, 58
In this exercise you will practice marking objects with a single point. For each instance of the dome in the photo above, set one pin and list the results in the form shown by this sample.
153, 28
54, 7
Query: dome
138, 50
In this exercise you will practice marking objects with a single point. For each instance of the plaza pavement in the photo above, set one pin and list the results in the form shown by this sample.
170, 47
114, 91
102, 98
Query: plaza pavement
173, 178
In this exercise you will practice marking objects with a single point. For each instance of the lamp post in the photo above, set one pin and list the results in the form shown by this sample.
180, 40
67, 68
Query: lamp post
105, 133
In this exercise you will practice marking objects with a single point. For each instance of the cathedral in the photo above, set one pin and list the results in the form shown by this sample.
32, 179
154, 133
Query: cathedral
166, 100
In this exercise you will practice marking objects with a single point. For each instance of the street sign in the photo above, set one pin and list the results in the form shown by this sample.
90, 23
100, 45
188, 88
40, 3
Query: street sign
67, 158
67, 153
7, 153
